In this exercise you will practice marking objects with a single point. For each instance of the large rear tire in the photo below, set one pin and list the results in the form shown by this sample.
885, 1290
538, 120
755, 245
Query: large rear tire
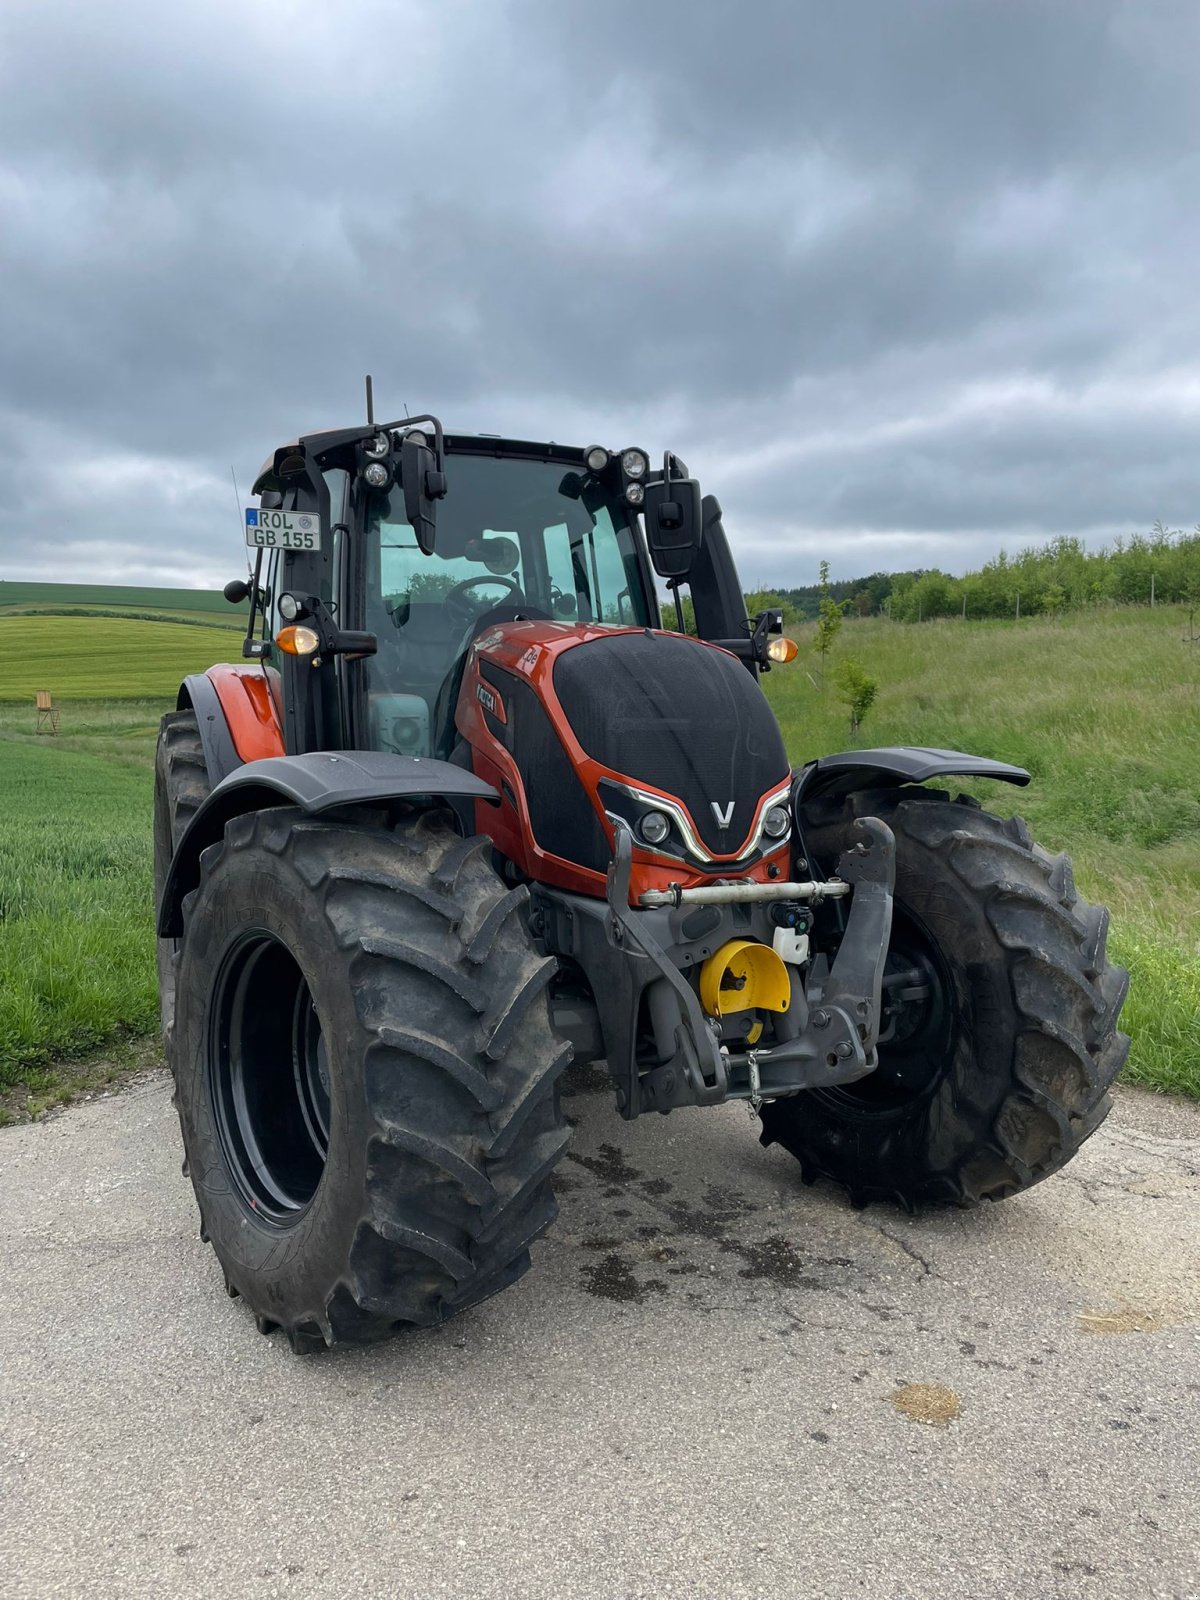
180, 787
366, 1073
1001, 1041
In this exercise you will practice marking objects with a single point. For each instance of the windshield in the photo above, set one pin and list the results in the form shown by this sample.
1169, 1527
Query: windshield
510, 533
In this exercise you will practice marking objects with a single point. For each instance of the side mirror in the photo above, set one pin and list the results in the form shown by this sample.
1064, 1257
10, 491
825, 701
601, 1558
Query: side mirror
674, 526
424, 485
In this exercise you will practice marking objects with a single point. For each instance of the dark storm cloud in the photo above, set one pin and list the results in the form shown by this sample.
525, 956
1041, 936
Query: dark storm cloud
903, 282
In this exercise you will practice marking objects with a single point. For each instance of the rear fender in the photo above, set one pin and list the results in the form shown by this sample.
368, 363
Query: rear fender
830, 777
316, 783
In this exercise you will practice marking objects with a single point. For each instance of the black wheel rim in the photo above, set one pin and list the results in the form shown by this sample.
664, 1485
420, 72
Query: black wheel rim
918, 1030
269, 1079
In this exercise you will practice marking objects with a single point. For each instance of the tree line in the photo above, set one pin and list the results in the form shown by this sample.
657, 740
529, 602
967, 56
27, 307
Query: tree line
1160, 566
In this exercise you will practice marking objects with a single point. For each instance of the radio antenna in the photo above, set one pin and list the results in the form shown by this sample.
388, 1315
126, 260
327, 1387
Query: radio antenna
370, 404
237, 506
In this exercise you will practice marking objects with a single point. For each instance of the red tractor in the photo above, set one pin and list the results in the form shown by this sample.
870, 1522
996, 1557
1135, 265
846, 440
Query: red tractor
468, 812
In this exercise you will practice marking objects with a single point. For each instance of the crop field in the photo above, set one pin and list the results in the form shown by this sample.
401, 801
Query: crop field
110, 596
116, 658
1103, 708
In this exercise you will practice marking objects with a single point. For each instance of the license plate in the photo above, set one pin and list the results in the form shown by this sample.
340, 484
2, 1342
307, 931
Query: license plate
282, 530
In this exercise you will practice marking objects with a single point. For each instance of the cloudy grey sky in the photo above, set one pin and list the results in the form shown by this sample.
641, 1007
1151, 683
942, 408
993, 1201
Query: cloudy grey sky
902, 280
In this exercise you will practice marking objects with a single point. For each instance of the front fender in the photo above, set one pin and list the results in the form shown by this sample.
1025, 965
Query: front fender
323, 781
850, 770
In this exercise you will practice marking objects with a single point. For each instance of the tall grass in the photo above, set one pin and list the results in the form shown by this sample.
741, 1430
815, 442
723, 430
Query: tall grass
1103, 709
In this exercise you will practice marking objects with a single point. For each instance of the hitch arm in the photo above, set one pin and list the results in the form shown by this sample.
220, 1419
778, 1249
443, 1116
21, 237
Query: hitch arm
838, 1043
855, 982
698, 1055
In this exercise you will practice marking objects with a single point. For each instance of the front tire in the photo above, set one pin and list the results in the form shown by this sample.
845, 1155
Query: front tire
366, 1073
181, 787
1003, 1029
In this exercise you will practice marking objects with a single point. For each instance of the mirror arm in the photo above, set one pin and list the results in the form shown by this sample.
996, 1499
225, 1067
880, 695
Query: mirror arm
754, 647
335, 641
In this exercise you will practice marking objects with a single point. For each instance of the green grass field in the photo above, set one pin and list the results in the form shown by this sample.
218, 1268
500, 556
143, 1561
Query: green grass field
110, 596
1103, 708
76, 958
104, 658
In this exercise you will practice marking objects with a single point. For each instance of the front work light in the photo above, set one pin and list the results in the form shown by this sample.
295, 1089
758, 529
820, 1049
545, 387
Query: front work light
783, 650
654, 827
776, 822
297, 641
289, 607
596, 458
377, 475
635, 493
378, 447
634, 463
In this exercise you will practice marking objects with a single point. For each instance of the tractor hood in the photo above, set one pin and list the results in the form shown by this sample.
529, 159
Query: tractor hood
588, 725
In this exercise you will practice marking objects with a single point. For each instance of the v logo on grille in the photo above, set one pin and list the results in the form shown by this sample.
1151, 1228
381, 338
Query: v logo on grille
723, 814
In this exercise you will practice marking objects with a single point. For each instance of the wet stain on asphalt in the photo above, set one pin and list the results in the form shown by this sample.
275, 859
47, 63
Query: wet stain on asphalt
774, 1259
608, 1164
710, 1219
613, 1279
654, 1186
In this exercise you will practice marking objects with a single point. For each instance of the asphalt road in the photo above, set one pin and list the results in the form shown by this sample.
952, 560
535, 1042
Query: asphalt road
714, 1382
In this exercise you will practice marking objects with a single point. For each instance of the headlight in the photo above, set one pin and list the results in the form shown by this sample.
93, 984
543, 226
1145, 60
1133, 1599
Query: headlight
654, 827
289, 607
377, 475
596, 458
634, 463
378, 447
776, 822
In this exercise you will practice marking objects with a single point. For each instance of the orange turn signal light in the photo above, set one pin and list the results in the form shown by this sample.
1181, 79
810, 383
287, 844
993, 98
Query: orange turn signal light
783, 650
297, 641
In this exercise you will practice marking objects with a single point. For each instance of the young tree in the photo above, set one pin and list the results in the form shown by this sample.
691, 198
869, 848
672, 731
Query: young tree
857, 691
829, 620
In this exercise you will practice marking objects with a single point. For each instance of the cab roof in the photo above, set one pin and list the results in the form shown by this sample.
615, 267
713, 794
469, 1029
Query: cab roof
325, 447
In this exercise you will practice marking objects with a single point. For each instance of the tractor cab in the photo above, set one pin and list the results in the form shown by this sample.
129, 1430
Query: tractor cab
428, 539
516, 541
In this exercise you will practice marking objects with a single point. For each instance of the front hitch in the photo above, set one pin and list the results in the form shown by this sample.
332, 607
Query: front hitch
628, 953
696, 1074
845, 1000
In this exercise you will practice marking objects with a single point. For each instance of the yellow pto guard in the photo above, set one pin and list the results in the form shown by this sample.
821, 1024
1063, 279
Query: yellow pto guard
744, 975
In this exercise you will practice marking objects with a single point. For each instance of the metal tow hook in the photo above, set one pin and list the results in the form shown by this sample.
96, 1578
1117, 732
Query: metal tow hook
755, 1098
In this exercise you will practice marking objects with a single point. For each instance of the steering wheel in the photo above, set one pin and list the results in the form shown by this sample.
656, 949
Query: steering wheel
460, 610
